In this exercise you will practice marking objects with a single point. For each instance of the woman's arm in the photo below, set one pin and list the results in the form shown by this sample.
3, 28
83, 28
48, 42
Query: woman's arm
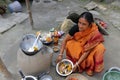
67, 37
83, 57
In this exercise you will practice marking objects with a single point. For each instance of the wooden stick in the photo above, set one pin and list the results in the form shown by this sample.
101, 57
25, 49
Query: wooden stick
29, 11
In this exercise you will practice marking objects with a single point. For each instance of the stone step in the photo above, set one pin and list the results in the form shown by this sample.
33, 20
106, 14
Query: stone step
11, 21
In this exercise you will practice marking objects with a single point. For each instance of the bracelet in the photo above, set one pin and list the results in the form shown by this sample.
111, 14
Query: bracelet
77, 63
60, 54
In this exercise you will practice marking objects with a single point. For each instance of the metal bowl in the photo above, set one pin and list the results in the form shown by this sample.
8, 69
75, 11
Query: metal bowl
56, 48
65, 61
43, 39
46, 77
27, 43
47, 43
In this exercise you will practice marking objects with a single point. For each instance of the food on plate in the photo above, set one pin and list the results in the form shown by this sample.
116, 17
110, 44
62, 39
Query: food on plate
55, 49
48, 39
73, 78
65, 68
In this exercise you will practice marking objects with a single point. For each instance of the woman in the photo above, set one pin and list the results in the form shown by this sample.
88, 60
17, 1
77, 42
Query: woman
83, 45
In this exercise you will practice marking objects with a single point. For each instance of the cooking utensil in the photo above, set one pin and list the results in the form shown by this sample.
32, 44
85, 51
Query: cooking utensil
47, 43
46, 77
42, 74
56, 48
26, 77
22, 75
65, 61
44, 39
34, 44
29, 78
27, 42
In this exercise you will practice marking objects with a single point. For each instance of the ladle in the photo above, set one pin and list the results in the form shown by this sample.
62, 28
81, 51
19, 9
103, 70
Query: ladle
31, 49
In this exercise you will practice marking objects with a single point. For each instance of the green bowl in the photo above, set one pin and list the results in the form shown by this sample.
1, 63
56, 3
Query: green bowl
111, 75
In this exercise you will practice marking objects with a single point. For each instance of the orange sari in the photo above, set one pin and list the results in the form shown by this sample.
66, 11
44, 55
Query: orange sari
88, 40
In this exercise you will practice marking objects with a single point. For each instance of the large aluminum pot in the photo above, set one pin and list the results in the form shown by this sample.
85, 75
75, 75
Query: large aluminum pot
27, 43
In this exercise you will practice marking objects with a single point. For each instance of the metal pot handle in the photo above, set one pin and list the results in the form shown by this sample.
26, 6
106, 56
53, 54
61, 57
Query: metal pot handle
21, 73
114, 68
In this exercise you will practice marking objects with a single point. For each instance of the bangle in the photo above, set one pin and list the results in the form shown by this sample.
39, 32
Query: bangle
77, 63
60, 54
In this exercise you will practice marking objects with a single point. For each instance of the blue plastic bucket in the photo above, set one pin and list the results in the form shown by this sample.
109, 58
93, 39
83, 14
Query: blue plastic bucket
15, 7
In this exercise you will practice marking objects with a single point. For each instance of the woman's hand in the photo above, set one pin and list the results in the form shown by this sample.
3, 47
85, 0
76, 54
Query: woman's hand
59, 58
68, 37
75, 66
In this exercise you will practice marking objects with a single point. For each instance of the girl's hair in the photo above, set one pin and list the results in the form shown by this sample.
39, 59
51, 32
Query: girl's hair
88, 16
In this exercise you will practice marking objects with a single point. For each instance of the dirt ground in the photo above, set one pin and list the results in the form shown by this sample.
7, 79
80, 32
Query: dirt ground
49, 15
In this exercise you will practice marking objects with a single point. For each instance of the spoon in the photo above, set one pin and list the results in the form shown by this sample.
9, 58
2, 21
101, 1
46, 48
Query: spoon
31, 49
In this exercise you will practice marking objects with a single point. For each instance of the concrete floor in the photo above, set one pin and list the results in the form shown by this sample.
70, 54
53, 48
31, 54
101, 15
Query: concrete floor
48, 15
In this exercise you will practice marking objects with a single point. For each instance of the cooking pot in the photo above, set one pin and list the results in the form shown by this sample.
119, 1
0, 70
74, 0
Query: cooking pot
29, 78
26, 77
27, 43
